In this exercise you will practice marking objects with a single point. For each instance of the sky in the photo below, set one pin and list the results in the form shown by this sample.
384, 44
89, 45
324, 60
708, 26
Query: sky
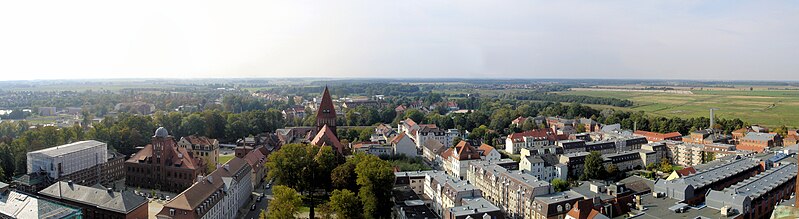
673, 39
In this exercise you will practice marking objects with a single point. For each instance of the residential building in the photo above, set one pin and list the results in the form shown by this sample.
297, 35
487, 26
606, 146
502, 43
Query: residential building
456, 160
15, 205
431, 131
432, 150
656, 136
408, 126
555, 205
574, 163
446, 191
220, 194
759, 142
257, 161
413, 179
202, 147
528, 139
352, 104
791, 138
98, 202
573, 146
584, 209
373, 148
162, 165
409, 205
511, 191
541, 150
81, 162
474, 208
611, 199
755, 197
706, 136
660, 149
722, 174
627, 160
545, 167
402, 144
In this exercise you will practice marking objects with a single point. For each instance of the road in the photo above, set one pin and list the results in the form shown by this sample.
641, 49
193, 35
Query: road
254, 214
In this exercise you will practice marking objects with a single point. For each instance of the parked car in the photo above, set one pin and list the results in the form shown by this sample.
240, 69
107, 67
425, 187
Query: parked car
253, 207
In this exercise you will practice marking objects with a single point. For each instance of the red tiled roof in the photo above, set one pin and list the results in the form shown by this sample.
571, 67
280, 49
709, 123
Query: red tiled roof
656, 135
485, 149
325, 137
179, 156
535, 133
409, 122
195, 195
397, 138
686, 171
466, 151
519, 120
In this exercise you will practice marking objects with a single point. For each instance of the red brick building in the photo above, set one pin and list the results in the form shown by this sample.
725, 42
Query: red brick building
755, 141
163, 165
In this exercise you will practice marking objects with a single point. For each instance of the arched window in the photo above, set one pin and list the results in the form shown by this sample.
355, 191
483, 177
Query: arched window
560, 208
568, 206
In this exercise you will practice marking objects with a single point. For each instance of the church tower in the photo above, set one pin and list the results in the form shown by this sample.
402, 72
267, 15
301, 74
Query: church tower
326, 114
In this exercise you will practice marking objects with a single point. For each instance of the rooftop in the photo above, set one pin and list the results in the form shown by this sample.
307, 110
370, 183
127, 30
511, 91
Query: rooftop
122, 202
762, 183
558, 197
19, 205
473, 206
757, 136
68, 148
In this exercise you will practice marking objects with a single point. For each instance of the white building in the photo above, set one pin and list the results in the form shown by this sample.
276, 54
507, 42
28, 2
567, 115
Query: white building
528, 139
447, 192
67, 159
456, 160
402, 144
544, 167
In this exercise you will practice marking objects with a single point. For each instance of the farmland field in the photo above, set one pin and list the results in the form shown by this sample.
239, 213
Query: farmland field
765, 107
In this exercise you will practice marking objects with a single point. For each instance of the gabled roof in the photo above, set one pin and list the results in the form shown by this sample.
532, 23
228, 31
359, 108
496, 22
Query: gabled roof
757, 136
398, 138
485, 149
466, 151
409, 122
326, 108
199, 140
686, 171
326, 137
433, 145
195, 195
179, 156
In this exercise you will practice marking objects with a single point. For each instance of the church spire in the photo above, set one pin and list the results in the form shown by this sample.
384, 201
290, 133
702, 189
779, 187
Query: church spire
326, 114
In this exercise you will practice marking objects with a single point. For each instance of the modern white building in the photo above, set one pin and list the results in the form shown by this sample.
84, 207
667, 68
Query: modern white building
447, 192
68, 159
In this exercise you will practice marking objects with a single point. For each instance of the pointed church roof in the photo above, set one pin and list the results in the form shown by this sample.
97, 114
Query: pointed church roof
326, 137
326, 108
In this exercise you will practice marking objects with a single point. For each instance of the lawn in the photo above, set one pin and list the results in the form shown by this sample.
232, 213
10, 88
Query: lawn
764, 107
225, 158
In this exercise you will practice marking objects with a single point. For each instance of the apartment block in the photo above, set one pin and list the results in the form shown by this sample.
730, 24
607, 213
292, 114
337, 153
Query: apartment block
722, 174
511, 191
755, 197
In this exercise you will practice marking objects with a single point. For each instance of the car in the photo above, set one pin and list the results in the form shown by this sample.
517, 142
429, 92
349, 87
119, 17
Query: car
253, 207
259, 199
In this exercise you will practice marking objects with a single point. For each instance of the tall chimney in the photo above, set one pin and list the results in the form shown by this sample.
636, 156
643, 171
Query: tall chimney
712, 118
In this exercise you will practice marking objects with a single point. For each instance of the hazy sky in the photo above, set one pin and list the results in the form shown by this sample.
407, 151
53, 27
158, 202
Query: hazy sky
723, 39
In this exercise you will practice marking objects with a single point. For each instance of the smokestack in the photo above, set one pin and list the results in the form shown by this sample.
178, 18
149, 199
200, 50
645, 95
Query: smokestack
712, 118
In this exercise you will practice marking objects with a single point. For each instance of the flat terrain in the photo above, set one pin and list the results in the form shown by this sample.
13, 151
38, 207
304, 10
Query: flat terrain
765, 107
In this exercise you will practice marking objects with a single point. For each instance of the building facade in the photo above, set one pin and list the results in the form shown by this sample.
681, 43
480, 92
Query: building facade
202, 147
163, 165
81, 162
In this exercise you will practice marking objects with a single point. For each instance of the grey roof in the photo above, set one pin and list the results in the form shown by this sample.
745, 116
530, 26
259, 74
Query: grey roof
757, 136
576, 154
753, 188
122, 202
161, 132
711, 175
559, 197
434, 145
473, 206
68, 148
3, 185
611, 127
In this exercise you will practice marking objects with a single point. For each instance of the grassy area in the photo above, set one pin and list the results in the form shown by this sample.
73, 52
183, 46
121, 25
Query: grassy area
225, 158
765, 107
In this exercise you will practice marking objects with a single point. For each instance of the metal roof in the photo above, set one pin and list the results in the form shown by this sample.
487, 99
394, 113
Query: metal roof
68, 148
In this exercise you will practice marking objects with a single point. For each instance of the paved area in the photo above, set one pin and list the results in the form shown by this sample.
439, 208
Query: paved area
247, 213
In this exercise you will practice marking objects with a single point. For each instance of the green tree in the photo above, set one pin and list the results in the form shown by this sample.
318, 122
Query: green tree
612, 170
2, 175
709, 156
376, 178
665, 166
593, 168
415, 115
344, 176
286, 203
346, 204
325, 211
560, 185
262, 215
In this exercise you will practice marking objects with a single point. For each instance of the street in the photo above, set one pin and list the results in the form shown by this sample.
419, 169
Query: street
254, 214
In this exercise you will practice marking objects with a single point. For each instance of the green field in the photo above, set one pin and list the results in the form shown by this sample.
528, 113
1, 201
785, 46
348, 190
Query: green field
764, 107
